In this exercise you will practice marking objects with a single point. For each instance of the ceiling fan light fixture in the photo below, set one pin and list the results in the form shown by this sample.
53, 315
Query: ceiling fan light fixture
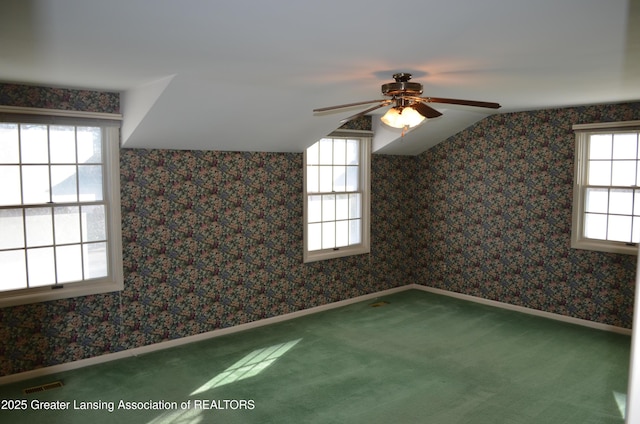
402, 117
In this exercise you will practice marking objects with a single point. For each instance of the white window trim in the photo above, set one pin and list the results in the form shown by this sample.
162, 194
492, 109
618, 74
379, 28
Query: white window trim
365, 182
578, 241
115, 281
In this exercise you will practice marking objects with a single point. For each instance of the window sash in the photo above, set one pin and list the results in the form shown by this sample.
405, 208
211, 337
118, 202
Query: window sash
612, 214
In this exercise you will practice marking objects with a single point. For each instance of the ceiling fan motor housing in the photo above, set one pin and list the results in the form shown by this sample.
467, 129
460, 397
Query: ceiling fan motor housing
402, 86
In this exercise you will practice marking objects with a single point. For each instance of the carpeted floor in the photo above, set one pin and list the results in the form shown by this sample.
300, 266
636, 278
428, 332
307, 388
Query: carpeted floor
411, 357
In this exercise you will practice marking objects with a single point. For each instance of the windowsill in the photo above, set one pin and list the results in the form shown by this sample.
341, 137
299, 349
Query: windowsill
320, 255
605, 246
46, 294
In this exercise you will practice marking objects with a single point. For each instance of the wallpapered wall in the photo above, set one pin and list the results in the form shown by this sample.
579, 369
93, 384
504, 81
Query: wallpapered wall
494, 217
210, 240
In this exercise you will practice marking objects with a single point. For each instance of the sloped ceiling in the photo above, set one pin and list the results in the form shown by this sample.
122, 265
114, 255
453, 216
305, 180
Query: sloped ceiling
246, 75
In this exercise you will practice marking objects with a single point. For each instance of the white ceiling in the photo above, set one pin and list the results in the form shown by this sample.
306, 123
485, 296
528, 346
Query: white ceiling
246, 75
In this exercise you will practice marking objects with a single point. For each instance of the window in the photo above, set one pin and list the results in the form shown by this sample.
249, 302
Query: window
336, 198
606, 209
59, 209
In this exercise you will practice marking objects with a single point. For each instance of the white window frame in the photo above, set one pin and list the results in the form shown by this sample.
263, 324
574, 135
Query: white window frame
582, 134
365, 188
114, 281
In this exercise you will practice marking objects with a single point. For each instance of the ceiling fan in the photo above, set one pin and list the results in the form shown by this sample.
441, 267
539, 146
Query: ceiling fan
409, 109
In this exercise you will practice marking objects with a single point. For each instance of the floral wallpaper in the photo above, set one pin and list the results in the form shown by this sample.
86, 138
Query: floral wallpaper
494, 217
59, 98
214, 239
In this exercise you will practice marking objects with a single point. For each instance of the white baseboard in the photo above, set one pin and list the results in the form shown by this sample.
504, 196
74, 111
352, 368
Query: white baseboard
40, 372
524, 310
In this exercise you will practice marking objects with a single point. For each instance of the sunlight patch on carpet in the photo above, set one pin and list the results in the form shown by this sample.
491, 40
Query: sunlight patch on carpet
181, 416
621, 401
252, 364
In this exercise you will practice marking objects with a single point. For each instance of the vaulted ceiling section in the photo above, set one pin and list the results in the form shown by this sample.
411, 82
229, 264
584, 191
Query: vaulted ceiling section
246, 75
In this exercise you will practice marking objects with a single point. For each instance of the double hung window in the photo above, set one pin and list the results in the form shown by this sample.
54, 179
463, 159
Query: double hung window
607, 187
336, 201
59, 209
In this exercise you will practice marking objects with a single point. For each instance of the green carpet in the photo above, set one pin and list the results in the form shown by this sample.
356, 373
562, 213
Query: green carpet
419, 358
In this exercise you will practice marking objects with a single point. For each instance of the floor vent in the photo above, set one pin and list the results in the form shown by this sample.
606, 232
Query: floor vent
378, 304
43, 388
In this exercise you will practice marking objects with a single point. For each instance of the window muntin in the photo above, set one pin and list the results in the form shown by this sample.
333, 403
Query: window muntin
607, 193
336, 198
59, 211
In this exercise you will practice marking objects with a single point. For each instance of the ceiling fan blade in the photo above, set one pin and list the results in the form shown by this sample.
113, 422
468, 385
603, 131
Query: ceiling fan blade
475, 103
364, 112
324, 109
426, 111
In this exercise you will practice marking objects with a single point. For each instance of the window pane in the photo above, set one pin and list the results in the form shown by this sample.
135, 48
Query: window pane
599, 173
342, 206
11, 229
14, 275
597, 200
34, 143
355, 209
625, 146
600, 146
63, 144
353, 157
39, 227
339, 178
355, 226
313, 154
95, 260
635, 237
621, 202
339, 152
63, 183
89, 145
619, 228
326, 179
67, 224
93, 223
42, 268
10, 187
90, 179
352, 178
314, 236
326, 151
328, 207
328, 235
9, 147
312, 179
342, 233
35, 184
314, 209
623, 173
69, 260
595, 226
